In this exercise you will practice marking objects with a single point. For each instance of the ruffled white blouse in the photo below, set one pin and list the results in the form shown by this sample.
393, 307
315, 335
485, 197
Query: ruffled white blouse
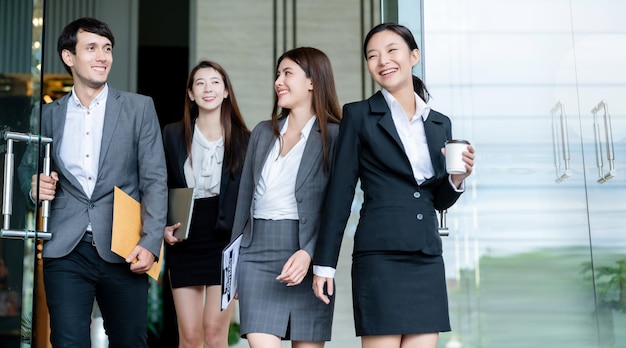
206, 172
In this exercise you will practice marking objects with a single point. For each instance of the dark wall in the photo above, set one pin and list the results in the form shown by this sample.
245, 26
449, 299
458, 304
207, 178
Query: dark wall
163, 55
163, 59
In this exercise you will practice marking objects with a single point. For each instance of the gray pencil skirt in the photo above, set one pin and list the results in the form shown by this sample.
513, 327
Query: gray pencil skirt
269, 306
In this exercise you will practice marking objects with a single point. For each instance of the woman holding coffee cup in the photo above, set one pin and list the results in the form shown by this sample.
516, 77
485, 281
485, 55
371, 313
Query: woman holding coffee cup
394, 143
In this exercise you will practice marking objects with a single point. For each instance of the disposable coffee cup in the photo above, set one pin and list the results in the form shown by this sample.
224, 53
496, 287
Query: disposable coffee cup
454, 156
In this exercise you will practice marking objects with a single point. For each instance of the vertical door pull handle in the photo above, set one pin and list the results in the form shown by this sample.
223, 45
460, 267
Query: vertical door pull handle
560, 143
443, 228
7, 192
603, 108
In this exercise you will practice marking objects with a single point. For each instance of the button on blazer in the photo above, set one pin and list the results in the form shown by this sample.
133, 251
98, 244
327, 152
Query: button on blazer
311, 182
131, 157
397, 214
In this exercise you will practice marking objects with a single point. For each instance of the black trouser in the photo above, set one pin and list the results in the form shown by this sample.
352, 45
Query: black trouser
71, 284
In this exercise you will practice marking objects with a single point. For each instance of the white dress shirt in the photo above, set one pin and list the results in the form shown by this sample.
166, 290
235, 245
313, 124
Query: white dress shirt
82, 138
205, 175
412, 134
274, 195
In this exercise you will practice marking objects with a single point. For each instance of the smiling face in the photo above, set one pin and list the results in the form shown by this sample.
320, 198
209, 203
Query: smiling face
292, 86
92, 62
208, 89
390, 61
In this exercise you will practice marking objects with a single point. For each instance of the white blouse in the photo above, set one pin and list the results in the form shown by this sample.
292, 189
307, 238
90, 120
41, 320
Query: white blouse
275, 194
205, 174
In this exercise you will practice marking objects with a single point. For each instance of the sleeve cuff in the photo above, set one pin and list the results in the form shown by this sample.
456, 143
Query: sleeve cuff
30, 196
460, 189
324, 271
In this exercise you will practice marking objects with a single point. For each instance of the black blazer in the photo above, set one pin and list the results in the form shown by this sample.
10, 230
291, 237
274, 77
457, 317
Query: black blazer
397, 214
176, 155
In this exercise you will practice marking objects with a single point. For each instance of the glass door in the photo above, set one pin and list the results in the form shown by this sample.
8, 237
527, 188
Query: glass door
599, 40
512, 77
20, 64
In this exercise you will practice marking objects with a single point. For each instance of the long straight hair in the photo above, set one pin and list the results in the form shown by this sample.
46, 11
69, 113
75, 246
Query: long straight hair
236, 133
418, 85
317, 67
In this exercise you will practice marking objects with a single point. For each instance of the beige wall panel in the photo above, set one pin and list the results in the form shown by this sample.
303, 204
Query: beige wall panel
238, 35
335, 28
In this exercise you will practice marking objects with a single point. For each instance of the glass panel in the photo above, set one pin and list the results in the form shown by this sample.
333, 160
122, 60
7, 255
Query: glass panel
20, 57
518, 237
599, 42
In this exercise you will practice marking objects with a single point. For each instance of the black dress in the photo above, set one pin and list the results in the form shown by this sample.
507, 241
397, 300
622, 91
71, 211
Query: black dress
197, 260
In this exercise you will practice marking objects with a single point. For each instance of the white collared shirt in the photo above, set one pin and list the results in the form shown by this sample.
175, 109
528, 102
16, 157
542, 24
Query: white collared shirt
82, 138
274, 195
205, 175
412, 135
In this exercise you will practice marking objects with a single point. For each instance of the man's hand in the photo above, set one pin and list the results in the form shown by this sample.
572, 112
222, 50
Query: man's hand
47, 186
140, 259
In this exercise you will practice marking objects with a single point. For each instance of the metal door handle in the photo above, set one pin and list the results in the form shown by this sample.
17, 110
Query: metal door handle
608, 139
560, 142
443, 228
7, 193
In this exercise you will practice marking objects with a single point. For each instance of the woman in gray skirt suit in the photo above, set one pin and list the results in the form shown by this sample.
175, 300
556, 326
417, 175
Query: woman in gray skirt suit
393, 143
283, 185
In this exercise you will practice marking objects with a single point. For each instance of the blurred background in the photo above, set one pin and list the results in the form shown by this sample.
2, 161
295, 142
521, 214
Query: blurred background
536, 255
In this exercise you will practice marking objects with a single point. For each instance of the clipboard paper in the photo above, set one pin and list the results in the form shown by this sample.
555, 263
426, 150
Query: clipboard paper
127, 228
230, 258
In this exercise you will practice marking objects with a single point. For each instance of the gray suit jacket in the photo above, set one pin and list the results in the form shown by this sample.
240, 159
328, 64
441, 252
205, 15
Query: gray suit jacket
311, 182
131, 157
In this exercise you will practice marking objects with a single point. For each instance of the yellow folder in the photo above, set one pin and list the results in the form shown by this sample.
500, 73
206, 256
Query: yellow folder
127, 228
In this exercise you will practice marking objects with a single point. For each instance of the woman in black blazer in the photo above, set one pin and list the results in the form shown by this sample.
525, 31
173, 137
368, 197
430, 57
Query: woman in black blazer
205, 151
393, 143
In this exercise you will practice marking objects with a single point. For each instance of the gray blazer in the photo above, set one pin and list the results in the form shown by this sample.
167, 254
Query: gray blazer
311, 182
131, 157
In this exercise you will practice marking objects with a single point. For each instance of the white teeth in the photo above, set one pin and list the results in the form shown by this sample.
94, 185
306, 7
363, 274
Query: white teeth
387, 72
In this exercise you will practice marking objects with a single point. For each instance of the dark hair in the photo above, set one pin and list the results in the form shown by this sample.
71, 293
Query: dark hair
68, 38
317, 67
418, 85
236, 133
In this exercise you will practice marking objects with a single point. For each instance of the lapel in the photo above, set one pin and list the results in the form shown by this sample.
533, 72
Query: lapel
312, 151
378, 106
266, 142
181, 151
433, 128
435, 136
58, 115
111, 116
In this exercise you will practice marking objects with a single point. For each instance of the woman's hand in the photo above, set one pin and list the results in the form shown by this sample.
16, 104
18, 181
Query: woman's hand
318, 288
468, 158
168, 235
295, 269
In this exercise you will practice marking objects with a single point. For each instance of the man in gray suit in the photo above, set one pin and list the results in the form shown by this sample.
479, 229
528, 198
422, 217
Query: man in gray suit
102, 138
